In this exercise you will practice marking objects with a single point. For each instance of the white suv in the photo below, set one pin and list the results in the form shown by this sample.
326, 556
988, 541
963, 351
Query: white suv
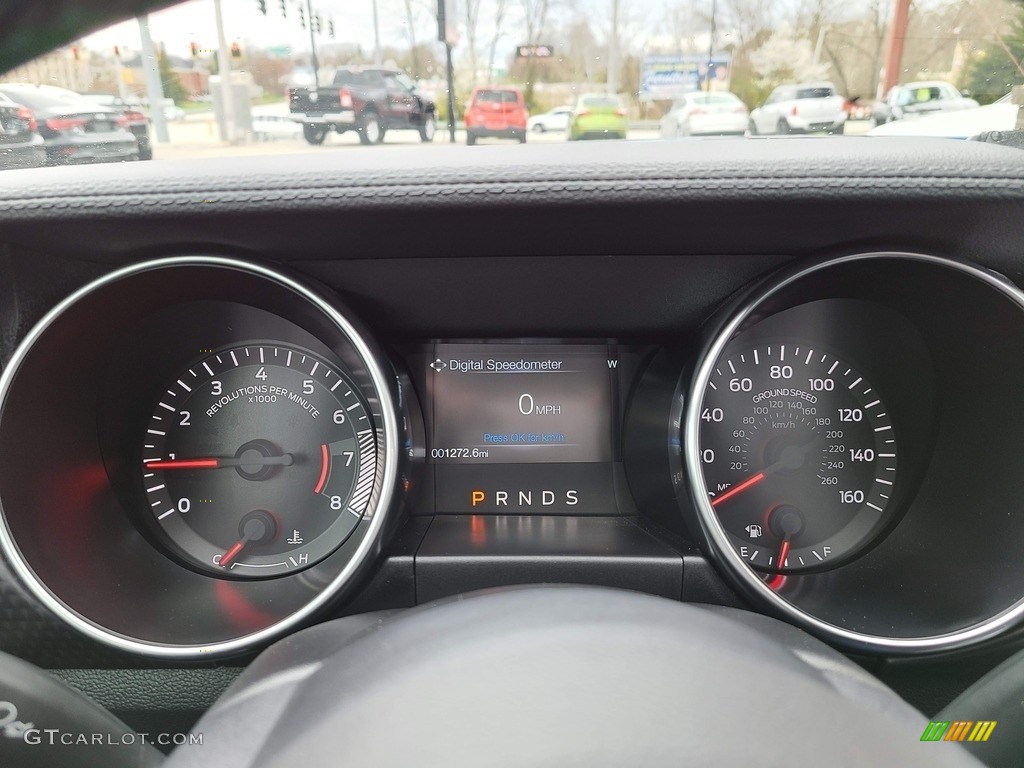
806, 108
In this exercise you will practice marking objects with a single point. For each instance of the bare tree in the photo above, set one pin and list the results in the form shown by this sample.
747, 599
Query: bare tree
500, 12
615, 19
750, 20
471, 18
535, 22
682, 24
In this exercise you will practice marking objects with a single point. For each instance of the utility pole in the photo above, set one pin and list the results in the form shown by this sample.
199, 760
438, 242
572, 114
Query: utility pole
613, 51
314, 62
444, 37
894, 53
227, 113
154, 88
376, 37
819, 45
711, 46
122, 91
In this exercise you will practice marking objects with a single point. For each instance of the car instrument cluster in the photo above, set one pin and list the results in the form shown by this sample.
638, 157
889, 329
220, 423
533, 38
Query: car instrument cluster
229, 450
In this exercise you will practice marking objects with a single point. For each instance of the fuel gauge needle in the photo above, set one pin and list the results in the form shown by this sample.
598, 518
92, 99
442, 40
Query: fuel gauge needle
780, 562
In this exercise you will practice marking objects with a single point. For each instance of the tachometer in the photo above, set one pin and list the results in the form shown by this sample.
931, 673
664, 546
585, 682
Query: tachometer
798, 455
259, 460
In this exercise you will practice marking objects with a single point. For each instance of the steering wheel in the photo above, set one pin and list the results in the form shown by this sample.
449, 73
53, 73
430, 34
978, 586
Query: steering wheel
557, 676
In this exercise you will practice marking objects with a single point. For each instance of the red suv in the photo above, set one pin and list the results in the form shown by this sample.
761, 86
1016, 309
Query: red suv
499, 112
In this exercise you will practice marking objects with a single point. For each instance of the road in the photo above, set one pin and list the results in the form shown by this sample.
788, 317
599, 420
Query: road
197, 137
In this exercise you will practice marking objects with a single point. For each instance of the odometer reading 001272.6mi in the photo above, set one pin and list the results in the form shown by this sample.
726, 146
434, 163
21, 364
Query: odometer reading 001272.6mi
798, 456
258, 460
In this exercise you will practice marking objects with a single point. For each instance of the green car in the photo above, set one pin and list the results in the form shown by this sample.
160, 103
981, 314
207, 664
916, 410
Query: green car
597, 116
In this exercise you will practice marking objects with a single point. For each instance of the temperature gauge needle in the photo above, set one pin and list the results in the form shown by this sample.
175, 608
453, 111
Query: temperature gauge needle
255, 529
232, 553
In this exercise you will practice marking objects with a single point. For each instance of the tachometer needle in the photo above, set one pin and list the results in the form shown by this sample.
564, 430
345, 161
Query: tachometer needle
736, 489
285, 460
183, 464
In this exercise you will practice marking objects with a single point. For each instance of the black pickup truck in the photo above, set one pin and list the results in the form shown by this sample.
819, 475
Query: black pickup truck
367, 100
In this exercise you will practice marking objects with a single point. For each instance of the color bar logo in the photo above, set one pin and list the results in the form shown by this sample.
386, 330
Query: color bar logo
958, 730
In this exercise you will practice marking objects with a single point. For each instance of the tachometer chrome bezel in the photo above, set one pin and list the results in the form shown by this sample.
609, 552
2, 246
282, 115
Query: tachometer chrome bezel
384, 394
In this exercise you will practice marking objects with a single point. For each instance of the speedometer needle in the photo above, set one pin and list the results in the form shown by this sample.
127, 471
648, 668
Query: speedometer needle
750, 481
792, 458
285, 460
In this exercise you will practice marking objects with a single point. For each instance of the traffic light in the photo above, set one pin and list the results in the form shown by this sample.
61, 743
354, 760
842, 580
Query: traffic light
316, 18
302, 17
76, 53
330, 28
194, 47
284, 8
117, 51
262, 5
236, 51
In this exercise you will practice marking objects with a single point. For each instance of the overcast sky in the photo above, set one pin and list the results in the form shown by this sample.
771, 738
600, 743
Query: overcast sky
195, 21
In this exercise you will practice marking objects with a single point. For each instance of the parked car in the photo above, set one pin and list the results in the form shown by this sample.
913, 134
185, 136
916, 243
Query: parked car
597, 116
135, 119
706, 114
556, 119
172, 112
75, 130
496, 112
368, 100
800, 108
911, 100
21, 146
271, 127
961, 124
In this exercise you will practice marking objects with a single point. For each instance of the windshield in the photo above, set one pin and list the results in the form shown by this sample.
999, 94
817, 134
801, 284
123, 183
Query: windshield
337, 76
506, 97
598, 102
815, 93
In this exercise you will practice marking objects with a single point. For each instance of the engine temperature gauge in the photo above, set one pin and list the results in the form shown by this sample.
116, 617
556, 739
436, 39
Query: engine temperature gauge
258, 460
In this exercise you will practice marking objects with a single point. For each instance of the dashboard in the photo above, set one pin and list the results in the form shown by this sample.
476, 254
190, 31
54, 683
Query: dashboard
237, 403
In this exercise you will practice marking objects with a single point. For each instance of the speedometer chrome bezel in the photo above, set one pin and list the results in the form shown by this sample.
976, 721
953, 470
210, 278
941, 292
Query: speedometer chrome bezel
743, 312
386, 398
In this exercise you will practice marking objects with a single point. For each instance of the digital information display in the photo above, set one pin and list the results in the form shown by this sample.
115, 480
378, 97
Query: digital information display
518, 428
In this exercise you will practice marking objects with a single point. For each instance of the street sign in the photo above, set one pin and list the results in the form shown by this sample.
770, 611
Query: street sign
447, 19
536, 51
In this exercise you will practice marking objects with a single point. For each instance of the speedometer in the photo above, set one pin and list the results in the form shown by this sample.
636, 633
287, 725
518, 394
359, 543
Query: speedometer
798, 456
